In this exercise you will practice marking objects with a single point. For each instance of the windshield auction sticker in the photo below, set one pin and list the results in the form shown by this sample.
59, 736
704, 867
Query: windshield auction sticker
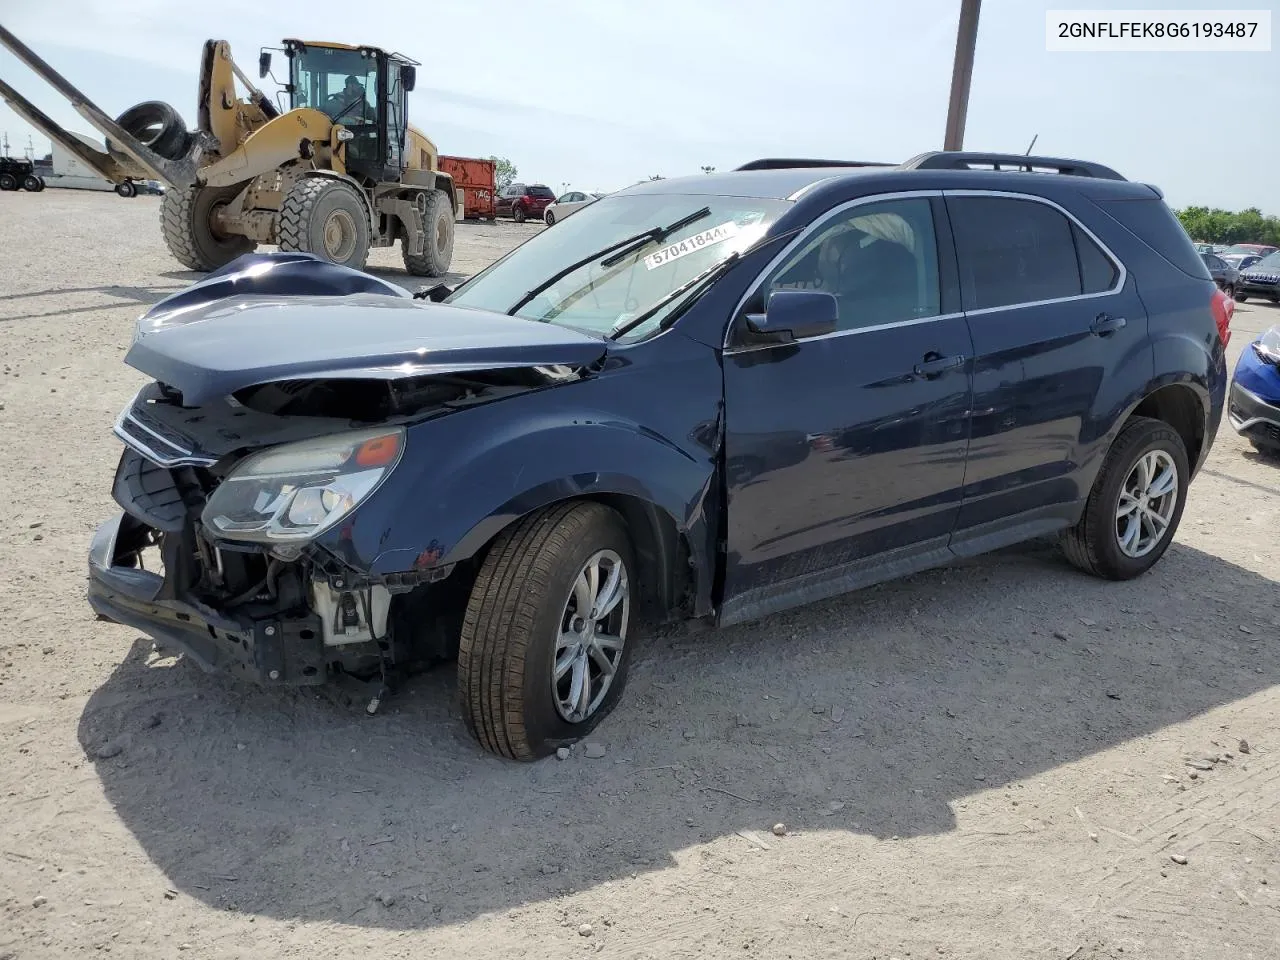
690, 245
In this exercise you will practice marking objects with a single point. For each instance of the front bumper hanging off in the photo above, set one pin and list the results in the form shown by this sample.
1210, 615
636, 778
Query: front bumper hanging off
277, 650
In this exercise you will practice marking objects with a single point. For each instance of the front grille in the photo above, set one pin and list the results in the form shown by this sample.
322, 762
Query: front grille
138, 429
1262, 279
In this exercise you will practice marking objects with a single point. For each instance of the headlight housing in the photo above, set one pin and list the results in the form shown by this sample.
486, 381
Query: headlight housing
1267, 347
293, 493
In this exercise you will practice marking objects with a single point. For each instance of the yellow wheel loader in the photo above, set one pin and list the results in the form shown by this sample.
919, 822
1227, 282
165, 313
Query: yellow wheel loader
338, 172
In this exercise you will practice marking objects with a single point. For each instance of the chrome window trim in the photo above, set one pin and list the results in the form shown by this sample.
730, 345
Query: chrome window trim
1121, 278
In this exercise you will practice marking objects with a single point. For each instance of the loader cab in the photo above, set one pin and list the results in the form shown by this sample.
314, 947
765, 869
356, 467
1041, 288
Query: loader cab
363, 88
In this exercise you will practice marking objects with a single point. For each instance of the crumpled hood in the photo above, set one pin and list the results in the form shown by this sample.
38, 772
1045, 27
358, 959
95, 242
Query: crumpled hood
212, 348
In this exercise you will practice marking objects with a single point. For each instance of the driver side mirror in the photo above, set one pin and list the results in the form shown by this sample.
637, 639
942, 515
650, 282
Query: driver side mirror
264, 64
408, 77
795, 314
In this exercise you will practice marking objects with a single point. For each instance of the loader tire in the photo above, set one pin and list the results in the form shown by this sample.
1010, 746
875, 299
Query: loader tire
155, 125
437, 246
186, 220
326, 217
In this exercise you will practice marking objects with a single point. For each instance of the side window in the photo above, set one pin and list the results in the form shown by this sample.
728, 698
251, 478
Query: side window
1013, 251
1097, 271
880, 260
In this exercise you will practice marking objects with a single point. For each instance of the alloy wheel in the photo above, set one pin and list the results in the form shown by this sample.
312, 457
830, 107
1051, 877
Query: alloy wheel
1148, 498
592, 633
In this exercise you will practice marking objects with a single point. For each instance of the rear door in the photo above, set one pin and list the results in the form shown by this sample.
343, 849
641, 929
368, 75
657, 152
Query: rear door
1059, 339
845, 452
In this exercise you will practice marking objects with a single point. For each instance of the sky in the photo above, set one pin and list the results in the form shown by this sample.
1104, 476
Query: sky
597, 94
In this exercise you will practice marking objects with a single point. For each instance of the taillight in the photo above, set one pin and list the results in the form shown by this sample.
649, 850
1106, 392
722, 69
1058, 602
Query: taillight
1224, 307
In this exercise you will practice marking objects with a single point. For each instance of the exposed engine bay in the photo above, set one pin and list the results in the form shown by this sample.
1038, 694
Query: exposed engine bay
292, 613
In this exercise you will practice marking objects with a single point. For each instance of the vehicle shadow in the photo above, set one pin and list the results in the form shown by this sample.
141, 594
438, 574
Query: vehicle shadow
128, 294
875, 713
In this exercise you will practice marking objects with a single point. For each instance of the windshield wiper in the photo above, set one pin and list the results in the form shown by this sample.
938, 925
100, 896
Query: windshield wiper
656, 235
627, 246
693, 283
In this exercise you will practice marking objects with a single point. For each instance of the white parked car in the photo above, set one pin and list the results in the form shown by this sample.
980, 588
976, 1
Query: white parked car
566, 203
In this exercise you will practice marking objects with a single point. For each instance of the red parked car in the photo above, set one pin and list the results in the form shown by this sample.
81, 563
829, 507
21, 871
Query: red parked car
522, 201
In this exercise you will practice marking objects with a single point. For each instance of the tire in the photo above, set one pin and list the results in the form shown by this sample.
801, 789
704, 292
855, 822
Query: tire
326, 217
1230, 290
550, 218
42, 184
187, 225
31, 183
437, 249
8, 181
518, 214
157, 126
1093, 544
512, 626
127, 189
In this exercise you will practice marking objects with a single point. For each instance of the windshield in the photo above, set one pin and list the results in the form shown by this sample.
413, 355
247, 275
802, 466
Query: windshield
597, 298
342, 83
1270, 262
541, 192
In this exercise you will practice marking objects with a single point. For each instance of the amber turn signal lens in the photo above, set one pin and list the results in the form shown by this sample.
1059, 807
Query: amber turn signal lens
379, 451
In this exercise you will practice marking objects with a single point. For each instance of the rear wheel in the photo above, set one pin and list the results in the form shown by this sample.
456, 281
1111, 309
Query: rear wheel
437, 244
517, 213
8, 181
1136, 503
31, 183
188, 222
543, 655
127, 189
326, 217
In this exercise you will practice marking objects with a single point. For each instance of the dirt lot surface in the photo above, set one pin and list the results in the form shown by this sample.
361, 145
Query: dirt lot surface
1006, 759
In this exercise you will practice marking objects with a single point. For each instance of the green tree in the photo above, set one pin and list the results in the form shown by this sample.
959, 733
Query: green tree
504, 171
1214, 225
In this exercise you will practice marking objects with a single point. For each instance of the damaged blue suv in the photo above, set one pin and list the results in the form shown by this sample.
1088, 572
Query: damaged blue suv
715, 397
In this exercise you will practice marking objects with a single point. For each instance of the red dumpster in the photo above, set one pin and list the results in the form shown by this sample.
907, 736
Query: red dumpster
477, 180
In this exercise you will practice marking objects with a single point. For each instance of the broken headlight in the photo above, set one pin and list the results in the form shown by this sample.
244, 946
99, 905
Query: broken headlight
294, 492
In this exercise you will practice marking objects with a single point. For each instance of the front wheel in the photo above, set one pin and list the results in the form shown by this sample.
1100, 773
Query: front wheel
1230, 290
1136, 503
550, 218
326, 217
127, 189
543, 654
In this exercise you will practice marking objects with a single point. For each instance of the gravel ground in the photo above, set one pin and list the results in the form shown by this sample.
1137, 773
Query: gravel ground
1004, 759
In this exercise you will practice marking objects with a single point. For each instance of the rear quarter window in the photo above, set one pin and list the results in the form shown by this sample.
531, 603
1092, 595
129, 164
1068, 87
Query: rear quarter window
1152, 222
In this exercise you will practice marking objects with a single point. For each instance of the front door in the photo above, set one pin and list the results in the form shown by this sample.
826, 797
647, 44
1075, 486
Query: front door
845, 452
1060, 336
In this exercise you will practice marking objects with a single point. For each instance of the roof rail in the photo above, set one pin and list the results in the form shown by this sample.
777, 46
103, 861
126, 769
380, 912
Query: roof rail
783, 163
967, 160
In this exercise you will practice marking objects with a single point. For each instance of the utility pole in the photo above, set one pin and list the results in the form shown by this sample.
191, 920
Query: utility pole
962, 74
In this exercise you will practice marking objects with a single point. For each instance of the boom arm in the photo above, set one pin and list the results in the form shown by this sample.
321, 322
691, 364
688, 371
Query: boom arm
150, 165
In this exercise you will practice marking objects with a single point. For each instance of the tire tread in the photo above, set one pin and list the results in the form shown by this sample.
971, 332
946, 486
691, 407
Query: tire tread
501, 618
